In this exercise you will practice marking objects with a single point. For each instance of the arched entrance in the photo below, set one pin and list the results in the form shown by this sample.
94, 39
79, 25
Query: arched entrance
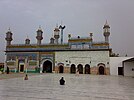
87, 69
47, 67
73, 69
80, 68
61, 69
21, 66
101, 70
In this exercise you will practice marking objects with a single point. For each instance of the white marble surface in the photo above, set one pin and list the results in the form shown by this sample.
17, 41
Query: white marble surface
82, 87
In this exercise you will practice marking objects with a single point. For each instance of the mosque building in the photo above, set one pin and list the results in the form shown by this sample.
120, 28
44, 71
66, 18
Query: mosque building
79, 53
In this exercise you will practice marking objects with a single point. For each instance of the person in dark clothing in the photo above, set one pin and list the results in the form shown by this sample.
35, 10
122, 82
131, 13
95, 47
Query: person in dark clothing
62, 81
7, 70
26, 77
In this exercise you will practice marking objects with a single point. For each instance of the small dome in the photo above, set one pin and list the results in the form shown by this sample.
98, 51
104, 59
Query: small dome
56, 29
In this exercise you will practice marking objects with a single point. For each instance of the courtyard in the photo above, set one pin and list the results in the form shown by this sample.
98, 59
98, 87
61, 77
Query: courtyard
82, 87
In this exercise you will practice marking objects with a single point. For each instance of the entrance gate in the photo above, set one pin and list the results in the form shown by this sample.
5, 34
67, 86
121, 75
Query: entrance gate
61, 69
101, 70
21, 68
47, 67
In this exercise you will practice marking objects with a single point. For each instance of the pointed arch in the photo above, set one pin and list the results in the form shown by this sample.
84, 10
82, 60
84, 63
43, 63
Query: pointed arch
47, 66
80, 68
87, 69
73, 68
61, 69
21, 65
101, 69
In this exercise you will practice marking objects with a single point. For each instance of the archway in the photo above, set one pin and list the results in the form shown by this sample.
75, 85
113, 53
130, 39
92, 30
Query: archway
80, 68
47, 67
21, 66
73, 69
101, 70
61, 69
87, 69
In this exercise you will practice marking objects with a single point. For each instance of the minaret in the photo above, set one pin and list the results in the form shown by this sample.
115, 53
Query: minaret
106, 33
56, 34
91, 36
9, 37
39, 36
27, 41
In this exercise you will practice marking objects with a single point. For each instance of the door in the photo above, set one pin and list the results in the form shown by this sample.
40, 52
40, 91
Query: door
61, 69
47, 67
101, 70
21, 68
120, 70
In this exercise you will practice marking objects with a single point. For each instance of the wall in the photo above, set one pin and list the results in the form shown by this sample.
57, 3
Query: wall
116, 62
93, 58
128, 66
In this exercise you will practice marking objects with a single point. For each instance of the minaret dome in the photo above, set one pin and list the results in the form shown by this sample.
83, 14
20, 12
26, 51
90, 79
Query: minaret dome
27, 41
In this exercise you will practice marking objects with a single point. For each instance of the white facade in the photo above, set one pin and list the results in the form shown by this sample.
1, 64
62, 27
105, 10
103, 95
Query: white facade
128, 68
116, 62
93, 58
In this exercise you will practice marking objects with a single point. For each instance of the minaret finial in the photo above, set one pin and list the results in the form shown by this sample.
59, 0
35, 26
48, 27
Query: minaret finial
106, 22
61, 23
40, 27
9, 30
56, 24
27, 37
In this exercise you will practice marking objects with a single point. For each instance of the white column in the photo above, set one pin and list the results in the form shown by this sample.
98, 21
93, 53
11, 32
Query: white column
5, 63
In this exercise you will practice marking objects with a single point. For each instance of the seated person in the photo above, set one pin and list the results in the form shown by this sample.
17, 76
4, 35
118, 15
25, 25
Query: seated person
26, 77
62, 81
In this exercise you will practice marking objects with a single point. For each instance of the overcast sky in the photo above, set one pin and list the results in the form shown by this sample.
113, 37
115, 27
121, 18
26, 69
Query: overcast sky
79, 16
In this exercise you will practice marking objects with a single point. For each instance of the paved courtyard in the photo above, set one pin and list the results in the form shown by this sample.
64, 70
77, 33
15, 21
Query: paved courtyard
82, 87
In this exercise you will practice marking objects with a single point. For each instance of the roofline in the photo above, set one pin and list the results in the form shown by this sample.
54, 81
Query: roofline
59, 50
130, 59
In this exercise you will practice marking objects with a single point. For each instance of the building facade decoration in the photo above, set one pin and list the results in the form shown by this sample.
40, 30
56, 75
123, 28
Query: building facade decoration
79, 53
